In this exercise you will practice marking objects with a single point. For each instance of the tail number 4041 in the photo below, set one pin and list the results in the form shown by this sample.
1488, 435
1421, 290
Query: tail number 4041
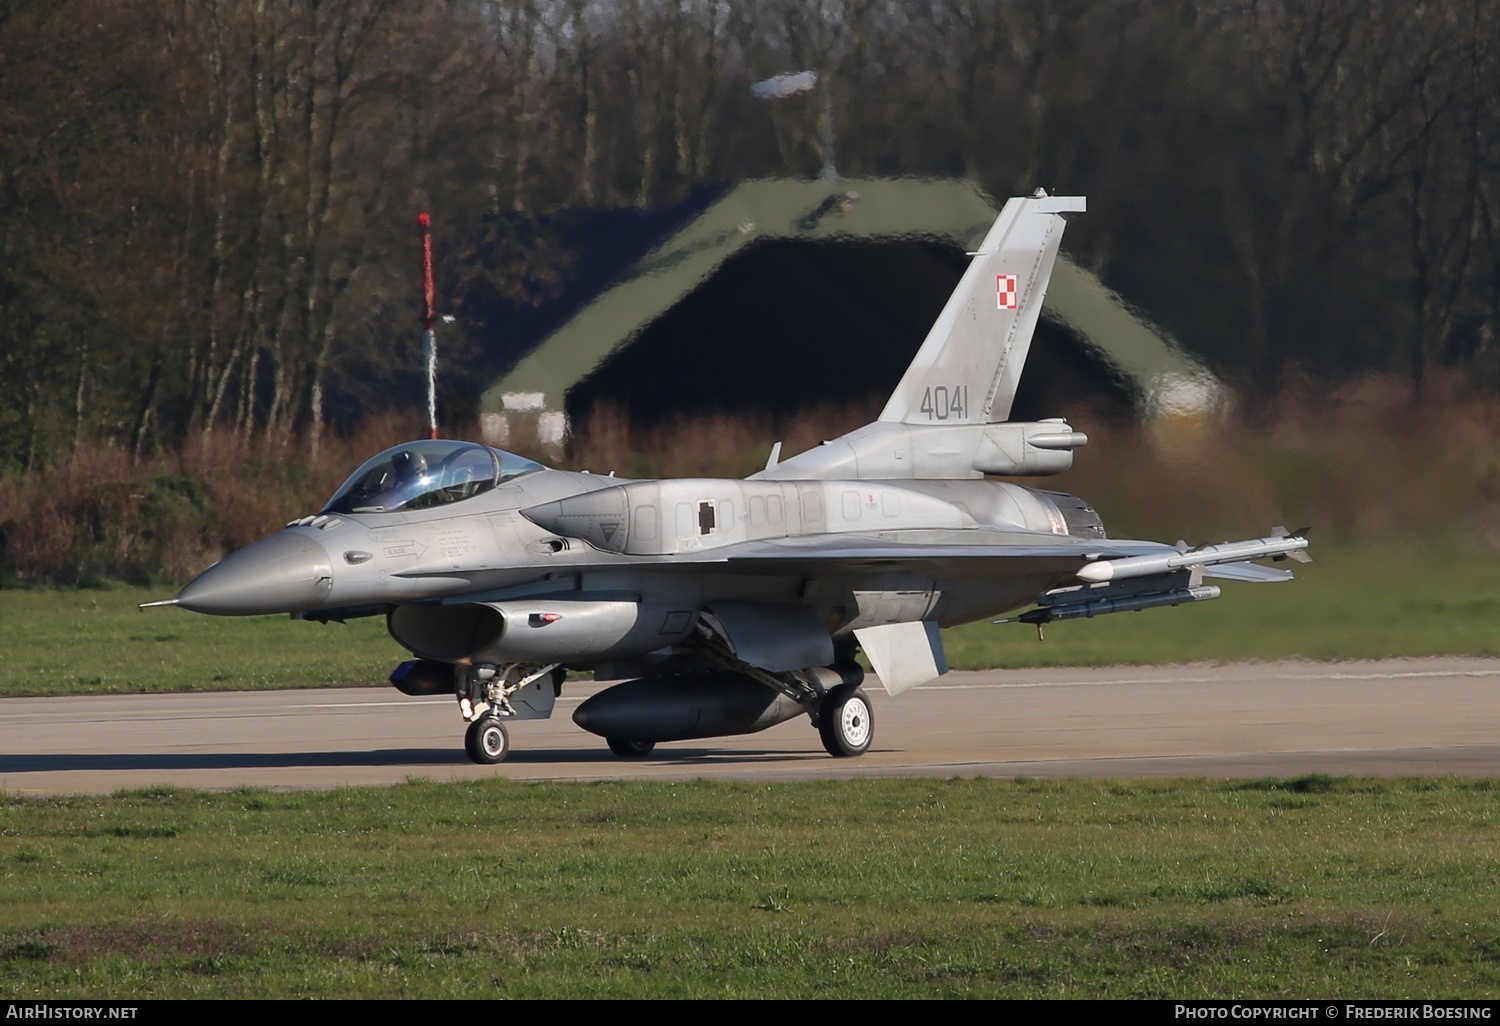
942, 402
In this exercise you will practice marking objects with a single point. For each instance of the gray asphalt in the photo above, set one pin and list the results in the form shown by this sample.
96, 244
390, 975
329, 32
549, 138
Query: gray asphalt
1390, 718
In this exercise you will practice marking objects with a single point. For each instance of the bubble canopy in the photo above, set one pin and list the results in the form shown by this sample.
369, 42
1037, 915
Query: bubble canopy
426, 474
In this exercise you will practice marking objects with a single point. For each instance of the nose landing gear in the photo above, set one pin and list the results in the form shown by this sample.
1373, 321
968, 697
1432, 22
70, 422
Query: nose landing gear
487, 742
488, 695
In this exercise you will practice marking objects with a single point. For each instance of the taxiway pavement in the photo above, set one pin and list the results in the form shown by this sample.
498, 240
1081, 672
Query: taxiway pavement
1390, 718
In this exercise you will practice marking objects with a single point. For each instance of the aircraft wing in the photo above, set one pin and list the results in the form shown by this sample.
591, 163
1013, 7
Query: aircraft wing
943, 554
938, 554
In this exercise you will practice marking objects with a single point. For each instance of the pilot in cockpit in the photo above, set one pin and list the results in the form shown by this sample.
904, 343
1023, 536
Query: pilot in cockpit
422, 475
408, 468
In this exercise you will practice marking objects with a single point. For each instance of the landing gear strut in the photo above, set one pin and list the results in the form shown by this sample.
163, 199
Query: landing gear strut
485, 694
840, 711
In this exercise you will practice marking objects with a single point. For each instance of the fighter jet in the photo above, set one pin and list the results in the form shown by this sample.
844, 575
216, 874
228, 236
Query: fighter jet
728, 606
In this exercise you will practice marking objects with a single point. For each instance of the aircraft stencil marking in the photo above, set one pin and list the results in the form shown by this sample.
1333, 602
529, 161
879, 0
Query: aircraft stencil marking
749, 611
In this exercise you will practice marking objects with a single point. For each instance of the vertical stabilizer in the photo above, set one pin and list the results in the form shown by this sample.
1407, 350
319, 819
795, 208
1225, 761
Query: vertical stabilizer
968, 367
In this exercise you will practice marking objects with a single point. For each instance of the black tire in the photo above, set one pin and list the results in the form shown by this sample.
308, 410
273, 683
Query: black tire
487, 741
847, 722
629, 749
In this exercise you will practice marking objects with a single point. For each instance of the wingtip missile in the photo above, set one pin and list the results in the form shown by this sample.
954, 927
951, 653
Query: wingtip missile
1274, 547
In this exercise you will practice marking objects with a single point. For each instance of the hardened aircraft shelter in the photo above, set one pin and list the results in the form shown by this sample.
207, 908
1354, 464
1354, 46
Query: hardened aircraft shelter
775, 295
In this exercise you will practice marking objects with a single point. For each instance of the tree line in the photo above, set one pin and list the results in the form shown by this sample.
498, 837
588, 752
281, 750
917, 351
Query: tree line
207, 207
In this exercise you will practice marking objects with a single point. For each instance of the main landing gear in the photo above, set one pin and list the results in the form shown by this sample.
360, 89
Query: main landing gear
633, 717
846, 722
831, 695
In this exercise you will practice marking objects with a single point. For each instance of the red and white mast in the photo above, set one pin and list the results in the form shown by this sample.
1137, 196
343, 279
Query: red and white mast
429, 340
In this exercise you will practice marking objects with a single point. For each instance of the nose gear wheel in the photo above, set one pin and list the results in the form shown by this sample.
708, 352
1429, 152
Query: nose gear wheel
486, 741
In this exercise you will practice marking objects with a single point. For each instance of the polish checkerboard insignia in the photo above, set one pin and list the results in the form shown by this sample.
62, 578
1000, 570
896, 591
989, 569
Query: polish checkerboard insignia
1005, 292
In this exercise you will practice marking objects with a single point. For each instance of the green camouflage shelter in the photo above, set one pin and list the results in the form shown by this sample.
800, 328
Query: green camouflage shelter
788, 284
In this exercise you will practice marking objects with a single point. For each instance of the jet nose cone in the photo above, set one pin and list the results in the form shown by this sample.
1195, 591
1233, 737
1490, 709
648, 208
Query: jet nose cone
284, 573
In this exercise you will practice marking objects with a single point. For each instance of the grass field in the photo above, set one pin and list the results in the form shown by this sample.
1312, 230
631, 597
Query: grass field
867, 888
1393, 597
60, 641
1396, 597
984, 888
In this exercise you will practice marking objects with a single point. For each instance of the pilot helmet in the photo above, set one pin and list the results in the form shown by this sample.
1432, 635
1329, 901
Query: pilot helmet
408, 466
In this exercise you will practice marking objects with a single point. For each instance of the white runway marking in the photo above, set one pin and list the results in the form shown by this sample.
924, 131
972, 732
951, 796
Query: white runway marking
408, 703
1211, 680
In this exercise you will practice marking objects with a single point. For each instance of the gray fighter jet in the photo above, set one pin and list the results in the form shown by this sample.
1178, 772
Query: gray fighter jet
728, 606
